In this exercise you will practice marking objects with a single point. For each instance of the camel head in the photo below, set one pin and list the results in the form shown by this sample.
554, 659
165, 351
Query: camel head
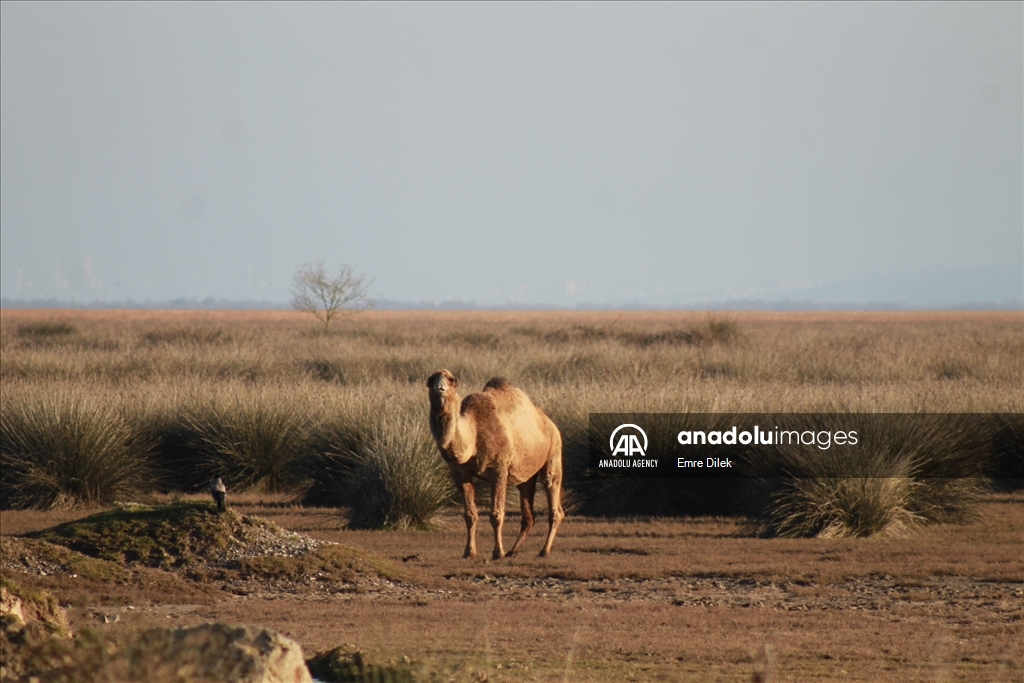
441, 383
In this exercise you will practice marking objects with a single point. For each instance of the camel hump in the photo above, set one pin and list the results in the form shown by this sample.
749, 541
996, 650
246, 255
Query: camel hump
497, 383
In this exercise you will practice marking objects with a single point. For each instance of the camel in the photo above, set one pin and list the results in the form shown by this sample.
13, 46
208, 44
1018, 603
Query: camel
499, 436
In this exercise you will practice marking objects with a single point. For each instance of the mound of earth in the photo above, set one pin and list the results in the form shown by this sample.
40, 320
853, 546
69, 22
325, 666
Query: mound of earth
33, 556
173, 536
244, 555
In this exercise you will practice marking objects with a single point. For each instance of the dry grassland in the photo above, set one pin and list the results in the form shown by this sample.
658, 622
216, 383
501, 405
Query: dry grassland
698, 599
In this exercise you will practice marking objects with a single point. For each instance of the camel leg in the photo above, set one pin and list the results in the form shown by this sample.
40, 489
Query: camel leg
552, 474
527, 491
499, 482
469, 501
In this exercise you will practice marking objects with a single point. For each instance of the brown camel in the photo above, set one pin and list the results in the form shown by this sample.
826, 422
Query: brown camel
497, 435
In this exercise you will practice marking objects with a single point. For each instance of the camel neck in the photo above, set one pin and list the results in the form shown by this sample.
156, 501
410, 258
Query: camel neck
444, 420
444, 425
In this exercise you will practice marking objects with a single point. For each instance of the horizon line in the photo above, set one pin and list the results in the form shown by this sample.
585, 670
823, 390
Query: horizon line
213, 303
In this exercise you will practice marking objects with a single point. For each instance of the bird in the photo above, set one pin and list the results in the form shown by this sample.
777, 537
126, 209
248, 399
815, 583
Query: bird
220, 494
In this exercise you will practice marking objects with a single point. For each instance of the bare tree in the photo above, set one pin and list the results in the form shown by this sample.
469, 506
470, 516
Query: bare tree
316, 292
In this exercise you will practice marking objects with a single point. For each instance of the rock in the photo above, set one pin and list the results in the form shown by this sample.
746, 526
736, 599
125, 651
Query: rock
348, 663
20, 607
10, 607
212, 652
29, 619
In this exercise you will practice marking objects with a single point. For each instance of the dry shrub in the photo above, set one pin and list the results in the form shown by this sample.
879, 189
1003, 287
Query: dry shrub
66, 450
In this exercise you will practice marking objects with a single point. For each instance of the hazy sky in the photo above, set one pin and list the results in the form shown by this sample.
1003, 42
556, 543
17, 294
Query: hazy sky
531, 153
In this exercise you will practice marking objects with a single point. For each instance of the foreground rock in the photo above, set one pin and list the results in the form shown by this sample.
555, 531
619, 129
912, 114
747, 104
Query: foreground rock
212, 652
20, 608
29, 620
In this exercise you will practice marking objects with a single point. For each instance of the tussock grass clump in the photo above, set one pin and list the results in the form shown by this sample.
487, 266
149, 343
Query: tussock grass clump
197, 335
252, 441
905, 473
842, 507
325, 369
714, 330
65, 450
474, 339
45, 330
395, 478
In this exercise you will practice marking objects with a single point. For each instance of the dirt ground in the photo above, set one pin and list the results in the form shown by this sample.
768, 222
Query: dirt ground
641, 599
